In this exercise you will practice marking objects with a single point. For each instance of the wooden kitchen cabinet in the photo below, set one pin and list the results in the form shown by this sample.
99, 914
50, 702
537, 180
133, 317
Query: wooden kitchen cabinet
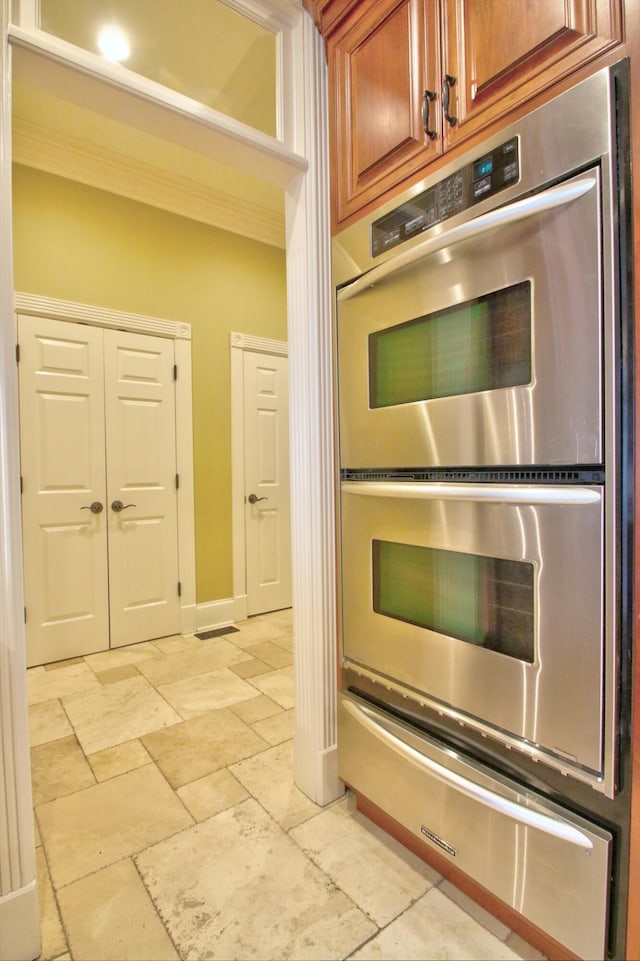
384, 121
504, 52
411, 79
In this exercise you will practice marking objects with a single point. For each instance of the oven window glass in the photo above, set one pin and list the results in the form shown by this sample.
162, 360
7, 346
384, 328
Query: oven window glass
482, 344
486, 601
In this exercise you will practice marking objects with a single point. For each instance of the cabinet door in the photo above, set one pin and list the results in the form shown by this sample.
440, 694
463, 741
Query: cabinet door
501, 53
381, 62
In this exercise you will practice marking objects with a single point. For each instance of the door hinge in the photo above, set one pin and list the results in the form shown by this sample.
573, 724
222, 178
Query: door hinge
177, 481
21, 484
25, 615
17, 353
179, 589
175, 371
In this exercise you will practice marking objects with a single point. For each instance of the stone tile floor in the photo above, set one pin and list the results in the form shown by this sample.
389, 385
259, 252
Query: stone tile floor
168, 824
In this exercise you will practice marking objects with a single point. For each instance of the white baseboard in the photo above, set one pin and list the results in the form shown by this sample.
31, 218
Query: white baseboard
220, 613
20, 925
316, 771
188, 619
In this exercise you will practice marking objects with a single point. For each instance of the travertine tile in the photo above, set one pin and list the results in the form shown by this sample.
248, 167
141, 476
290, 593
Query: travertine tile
116, 713
263, 900
271, 654
115, 674
59, 768
474, 909
250, 668
54, 941
202, 745
523, 949
118, 760
47, 722
211, 794
256, 708
254, 630
56, 665
117, 656
276, 729
380, 875
133, 654
283, 620
209, 656
285, 641
278, 685
206, 692
46, 685
269, 778
435, 928
109, 915
108, 822
178, 642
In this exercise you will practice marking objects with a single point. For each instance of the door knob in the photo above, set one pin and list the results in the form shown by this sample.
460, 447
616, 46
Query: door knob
95, 507
118, 506
253, 498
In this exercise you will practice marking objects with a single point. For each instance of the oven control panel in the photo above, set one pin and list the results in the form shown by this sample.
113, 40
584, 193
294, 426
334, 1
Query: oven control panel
476, 181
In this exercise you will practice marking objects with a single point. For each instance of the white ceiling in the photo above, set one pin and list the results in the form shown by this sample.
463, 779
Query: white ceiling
211, 49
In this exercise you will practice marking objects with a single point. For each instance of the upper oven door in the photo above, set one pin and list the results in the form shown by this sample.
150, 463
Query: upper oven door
481, 345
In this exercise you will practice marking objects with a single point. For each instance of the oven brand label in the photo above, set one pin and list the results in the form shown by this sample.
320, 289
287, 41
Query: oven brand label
439, 841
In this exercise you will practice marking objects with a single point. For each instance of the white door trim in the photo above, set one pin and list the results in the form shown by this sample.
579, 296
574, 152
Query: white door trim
238, 344
19, 916
303, 83
181, 334
309, 318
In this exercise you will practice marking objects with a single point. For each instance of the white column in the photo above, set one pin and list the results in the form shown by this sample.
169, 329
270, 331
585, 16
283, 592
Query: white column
19, 921
311, 420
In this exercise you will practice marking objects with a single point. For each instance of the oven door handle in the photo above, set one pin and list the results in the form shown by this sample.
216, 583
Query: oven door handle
493, 493
523, 815
512, 213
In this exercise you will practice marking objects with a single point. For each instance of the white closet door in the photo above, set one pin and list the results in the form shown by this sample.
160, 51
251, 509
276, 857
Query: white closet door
268, 518
63, 471
141, 460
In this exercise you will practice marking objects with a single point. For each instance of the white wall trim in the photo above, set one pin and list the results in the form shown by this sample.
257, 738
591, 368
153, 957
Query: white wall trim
38, 306
19, 923
221, 613
262, 345
76, 159
308, 282
180, 333
121, 94
238, 343
311, 426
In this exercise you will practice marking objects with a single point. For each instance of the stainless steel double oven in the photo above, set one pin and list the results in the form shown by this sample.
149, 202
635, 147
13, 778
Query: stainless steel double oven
483, 369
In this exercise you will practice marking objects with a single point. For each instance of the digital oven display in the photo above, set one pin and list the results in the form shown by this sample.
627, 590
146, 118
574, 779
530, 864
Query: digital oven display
468, 186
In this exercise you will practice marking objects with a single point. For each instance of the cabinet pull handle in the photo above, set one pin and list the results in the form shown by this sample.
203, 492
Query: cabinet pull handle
427, 97
447, 83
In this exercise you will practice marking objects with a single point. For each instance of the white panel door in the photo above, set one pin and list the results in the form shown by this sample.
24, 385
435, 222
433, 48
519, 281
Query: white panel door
268, 520
141, 488
63, 471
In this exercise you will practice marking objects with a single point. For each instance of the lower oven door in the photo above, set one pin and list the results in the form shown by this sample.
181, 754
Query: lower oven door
485, 601
549, 864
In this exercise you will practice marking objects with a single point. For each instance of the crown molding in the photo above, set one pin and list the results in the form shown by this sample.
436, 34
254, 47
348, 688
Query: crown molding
76, 159
261, 344
99, 316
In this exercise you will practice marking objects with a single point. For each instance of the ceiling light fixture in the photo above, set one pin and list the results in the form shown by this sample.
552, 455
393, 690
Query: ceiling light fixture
113, 44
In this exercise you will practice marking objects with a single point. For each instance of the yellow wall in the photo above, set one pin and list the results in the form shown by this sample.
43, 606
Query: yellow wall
85, 245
